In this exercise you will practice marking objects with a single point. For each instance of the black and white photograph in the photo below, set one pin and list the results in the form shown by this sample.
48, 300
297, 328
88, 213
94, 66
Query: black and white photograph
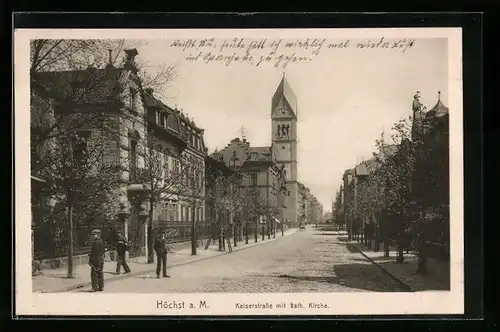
243, 172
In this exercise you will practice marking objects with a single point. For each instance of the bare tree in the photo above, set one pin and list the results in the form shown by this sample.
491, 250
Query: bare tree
166, 174
226, 195
81, 174
70, 73
390, 185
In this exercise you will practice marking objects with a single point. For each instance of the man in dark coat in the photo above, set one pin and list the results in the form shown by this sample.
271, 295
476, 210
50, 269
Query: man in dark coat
96, 261
161, 255
121, 249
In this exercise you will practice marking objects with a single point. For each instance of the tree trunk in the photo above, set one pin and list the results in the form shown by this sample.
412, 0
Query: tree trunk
234, 235
263, 232
282, 229
246, 232
256, 232
151, 259
193, 231
70, 237
386, 245
268, 229
400, 259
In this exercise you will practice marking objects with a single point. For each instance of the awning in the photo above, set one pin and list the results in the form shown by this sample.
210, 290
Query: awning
276, 220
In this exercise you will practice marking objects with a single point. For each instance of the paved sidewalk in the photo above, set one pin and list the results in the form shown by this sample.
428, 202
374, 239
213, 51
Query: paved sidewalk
55, 281
438, 277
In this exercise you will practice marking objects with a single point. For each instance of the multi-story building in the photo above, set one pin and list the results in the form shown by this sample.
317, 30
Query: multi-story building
262, 172
145, 139
183, 190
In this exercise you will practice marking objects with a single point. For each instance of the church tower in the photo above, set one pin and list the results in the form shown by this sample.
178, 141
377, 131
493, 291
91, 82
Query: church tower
284, 144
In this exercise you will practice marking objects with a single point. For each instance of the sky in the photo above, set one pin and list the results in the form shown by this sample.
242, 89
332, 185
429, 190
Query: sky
346, 97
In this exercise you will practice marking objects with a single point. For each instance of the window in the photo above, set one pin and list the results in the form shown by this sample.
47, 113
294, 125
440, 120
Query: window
80, 148
78, 90
162, 120
173, 212
133, 97
253, 179
133, 159
165, 165
166, 206
200, 178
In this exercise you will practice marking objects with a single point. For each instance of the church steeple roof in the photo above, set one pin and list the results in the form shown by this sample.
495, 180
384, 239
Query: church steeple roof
285, 91
439, 109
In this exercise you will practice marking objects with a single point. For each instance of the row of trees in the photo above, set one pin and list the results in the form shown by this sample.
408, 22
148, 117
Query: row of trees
229, 191
403, 182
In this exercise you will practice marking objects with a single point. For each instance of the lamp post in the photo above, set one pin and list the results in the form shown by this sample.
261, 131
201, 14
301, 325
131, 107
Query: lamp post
143, 216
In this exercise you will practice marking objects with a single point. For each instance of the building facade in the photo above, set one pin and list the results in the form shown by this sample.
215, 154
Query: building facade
182, 203
263, 174
157, 153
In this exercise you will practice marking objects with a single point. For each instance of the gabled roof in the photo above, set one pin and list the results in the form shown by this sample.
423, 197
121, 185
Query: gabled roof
256, 159
263, 150
98, 83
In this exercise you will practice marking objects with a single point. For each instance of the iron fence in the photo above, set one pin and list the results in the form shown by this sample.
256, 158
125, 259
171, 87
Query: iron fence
51, 241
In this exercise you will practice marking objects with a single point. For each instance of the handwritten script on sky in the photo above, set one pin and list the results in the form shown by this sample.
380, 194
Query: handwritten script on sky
277, 52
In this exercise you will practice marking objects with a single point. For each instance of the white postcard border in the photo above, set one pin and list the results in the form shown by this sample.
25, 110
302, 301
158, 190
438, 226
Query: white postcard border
28, 303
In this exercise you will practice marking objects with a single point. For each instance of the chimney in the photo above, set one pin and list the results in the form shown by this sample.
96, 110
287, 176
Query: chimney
131, 54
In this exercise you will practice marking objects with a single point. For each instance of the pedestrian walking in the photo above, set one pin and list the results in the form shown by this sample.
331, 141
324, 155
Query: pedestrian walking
96, 261
121, 249
161, 255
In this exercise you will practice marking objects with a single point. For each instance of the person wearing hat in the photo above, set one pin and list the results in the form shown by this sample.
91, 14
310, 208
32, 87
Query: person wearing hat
160, 248
121, 248
96, 261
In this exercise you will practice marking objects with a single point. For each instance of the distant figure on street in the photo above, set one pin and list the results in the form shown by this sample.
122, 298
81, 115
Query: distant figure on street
96, 261
161, 255
121, 249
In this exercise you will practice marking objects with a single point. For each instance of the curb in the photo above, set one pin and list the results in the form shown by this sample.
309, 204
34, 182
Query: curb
390, 274
136, 274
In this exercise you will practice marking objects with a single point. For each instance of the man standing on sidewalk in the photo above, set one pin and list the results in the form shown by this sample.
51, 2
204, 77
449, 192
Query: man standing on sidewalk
161, 255
96, 261
121, 249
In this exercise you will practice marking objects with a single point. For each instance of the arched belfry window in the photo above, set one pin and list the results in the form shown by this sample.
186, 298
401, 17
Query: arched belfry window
283, 130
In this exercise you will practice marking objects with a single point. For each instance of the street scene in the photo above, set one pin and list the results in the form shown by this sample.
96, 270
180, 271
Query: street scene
239, 165
312, 260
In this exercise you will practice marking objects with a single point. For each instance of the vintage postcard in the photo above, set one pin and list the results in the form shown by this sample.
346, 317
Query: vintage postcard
239, 172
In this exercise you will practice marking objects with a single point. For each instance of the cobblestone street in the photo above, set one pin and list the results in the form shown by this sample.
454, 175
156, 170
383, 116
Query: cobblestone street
308, 261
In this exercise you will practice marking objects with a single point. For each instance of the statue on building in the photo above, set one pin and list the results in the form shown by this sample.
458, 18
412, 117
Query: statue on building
417, 105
